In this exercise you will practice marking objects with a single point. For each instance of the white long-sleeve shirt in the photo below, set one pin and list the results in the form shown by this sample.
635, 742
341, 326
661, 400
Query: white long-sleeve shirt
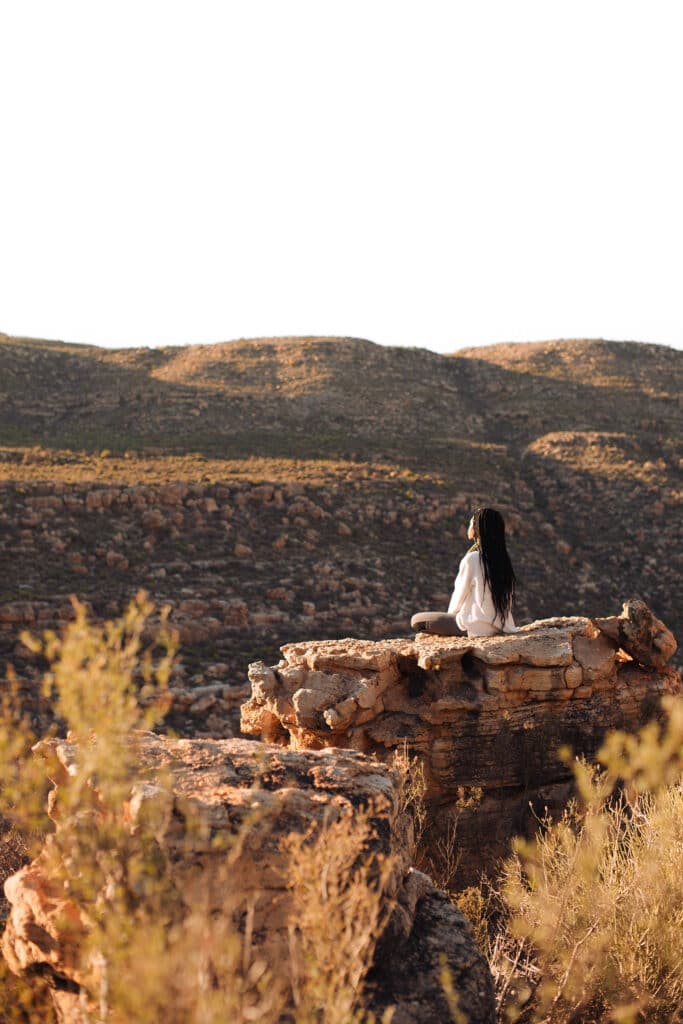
472, 603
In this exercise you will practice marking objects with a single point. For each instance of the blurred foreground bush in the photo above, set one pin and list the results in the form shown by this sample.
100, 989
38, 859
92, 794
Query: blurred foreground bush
585, 924
129, 940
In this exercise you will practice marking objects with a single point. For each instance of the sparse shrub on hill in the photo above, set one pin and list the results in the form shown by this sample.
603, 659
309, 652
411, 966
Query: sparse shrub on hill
577, 442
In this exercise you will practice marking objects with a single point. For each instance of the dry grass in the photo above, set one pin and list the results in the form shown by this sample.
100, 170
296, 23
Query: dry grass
141, 956
38, 464
586, 922
338, 888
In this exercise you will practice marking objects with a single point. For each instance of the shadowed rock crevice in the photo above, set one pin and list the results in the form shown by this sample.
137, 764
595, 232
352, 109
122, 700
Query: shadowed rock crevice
436, 942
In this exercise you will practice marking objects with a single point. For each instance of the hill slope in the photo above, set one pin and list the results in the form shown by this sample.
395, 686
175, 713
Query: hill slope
580, 443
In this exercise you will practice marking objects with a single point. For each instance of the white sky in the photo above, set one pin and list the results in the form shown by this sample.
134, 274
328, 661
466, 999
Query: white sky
428, 173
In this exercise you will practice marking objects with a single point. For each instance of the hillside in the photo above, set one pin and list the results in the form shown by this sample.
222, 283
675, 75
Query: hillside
322, 485
315, 396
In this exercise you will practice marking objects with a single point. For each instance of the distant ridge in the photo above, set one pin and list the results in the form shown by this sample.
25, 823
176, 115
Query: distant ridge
494, 348
319, 392
52, 342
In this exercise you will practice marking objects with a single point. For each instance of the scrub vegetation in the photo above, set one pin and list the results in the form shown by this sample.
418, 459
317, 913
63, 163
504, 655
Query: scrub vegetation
585, 923
144, 958
309, 478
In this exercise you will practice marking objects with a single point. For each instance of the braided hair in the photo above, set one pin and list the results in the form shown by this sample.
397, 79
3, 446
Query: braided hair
489, 541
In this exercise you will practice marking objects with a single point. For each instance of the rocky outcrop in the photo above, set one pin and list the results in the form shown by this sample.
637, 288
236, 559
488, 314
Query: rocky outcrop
225, 785
640, 633
488, 716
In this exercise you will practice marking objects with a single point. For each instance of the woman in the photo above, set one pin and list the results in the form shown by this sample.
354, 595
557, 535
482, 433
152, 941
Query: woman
481, 603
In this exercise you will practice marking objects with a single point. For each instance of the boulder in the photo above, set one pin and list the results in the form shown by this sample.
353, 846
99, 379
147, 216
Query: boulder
263, 794
640, 633
489, 717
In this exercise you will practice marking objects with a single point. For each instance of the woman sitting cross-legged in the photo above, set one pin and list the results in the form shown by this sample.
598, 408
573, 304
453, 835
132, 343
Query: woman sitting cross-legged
481, 603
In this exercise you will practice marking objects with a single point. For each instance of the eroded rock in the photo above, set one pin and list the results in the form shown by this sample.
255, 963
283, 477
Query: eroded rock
486, 715
277, 791
640, 633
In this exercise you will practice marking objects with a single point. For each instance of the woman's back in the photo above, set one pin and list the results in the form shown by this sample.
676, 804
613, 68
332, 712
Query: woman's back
472, 601
484, 589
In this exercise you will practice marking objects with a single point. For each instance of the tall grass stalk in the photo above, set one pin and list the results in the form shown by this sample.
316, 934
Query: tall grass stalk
339, 887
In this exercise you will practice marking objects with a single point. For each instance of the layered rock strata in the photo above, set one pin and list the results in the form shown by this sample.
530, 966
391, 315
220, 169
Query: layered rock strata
488, 716
263, 794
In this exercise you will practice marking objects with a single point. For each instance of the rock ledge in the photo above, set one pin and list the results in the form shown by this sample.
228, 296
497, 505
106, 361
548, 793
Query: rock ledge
487, 715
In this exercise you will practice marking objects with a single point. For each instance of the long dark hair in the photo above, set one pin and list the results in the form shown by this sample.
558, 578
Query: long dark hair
489, 540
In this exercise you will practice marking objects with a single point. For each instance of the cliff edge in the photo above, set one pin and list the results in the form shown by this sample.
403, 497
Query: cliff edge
488, 716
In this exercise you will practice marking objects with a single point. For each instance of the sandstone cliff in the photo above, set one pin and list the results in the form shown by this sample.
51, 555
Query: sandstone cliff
213, 789
487, 716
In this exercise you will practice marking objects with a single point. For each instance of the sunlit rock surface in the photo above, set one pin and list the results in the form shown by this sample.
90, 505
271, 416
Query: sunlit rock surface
488, 716
263, 793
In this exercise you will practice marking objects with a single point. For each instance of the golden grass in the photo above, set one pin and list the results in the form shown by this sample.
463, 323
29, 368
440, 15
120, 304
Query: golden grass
36, 465
585, 923
141, 955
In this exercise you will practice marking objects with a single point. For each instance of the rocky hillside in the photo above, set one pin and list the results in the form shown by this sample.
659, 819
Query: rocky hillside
282, 489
